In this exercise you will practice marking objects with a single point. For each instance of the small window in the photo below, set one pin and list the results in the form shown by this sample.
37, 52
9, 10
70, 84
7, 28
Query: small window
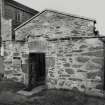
18, 17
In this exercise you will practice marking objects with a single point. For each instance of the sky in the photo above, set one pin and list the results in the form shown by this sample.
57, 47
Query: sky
88, 8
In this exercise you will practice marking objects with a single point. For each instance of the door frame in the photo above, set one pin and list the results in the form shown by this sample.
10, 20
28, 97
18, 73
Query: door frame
45, 79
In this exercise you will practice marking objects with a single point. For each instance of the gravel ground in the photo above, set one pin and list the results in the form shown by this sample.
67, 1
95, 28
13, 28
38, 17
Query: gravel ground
8, 96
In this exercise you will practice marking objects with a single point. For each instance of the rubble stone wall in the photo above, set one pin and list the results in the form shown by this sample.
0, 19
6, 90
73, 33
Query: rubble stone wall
55, 25
16, 61
70, 64
76, 64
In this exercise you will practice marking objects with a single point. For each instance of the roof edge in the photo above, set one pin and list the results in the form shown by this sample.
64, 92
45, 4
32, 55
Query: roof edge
28, 20
72, 15
21, 6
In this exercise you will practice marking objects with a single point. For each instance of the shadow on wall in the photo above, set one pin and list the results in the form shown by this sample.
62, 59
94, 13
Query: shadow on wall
1, 68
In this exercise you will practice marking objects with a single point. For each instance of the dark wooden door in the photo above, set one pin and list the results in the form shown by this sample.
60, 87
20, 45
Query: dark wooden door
36, 69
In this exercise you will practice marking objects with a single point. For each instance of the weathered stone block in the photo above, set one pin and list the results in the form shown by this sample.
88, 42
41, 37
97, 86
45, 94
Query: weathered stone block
80, 70
18, 77
91, 66
59, 55
52, 81
59, 32
96, 48
69, 55
96, 54
82, 59
79, 75
92, 75
76, 66
75, 79
16, 54
69, 71
6, 53
63, 59
51, 73
77, 51
83, 47
50, 62
66, 65
24, 68
61, 83
8, 62
91, 85
75, 32
98, 61
25, 55
99, 86
8, 72
16, 68
60, 71
60, 51
75, 89
14, 79
64, 76
83, 86
96, 81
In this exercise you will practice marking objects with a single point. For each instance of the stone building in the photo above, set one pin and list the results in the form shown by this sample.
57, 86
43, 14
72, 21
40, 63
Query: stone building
57, 50
54, 49
12, 14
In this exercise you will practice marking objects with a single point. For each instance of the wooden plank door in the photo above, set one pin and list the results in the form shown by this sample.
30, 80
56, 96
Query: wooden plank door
36, 69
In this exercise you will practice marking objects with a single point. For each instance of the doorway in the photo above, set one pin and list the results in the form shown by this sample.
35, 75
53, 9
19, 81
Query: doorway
36, 70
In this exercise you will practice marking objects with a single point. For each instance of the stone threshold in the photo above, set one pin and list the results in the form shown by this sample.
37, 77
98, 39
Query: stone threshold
33, 91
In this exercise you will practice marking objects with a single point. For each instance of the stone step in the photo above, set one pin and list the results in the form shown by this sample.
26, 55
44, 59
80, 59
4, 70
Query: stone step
33, 91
